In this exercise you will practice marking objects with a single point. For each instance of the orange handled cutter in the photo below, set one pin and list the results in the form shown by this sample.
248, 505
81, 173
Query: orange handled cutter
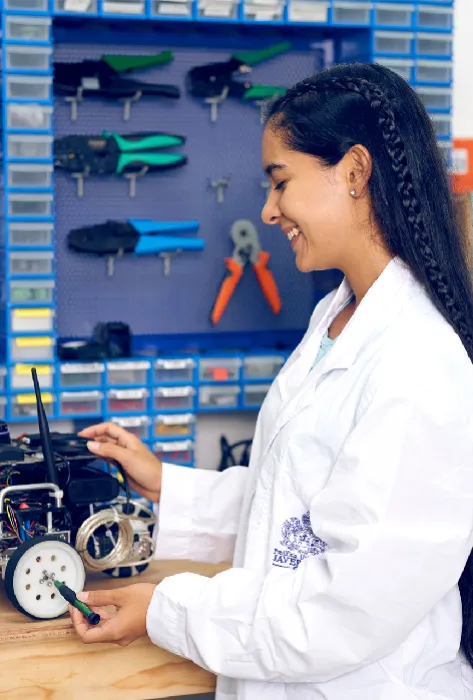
247, 250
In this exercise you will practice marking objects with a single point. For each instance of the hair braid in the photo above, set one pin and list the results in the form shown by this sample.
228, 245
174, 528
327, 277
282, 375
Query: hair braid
394, 145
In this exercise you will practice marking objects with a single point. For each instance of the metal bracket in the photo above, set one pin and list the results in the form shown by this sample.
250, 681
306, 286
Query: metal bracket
132, 178
128, 102
167, 260
79, 177
214, 103
73, 101
220, 186
111, 262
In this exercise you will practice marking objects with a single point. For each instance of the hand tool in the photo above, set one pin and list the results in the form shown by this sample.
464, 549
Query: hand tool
131, 156
135, 236
102, 78
215, 81
68, 594
247, 250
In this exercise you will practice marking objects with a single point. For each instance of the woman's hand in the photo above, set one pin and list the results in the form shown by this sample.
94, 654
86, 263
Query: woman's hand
122, 626
143, 469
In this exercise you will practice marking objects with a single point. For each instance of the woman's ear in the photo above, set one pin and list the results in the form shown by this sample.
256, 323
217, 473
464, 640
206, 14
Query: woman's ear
357, 165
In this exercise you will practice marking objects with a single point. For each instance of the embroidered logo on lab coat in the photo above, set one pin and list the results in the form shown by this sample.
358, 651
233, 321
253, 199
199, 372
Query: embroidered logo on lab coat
298, 541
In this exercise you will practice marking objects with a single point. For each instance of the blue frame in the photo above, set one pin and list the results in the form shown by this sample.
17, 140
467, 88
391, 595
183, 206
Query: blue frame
212, 344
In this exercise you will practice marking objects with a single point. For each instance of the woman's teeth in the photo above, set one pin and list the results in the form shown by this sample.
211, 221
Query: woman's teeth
293, 233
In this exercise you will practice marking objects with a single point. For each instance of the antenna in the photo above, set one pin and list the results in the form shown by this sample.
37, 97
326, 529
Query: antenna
46, 443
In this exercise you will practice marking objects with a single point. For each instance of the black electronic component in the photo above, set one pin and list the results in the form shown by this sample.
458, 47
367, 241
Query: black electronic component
4, 433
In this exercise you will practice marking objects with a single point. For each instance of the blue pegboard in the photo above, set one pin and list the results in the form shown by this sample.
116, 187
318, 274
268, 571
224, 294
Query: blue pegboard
139, 294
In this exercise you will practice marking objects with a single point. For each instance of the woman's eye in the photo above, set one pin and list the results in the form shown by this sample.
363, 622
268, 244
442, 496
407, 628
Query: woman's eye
280, 185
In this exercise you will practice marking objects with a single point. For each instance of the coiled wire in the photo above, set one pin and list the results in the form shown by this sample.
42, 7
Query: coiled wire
119, 556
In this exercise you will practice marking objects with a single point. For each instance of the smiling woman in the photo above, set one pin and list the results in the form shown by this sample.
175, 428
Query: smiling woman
351, 528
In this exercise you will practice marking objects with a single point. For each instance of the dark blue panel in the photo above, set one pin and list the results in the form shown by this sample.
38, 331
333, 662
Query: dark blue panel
139, 293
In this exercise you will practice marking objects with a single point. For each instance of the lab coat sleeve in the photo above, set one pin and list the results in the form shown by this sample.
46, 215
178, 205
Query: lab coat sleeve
198, 513
396, 515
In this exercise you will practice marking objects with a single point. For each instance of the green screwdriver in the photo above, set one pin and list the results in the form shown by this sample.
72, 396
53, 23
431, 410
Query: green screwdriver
69, 595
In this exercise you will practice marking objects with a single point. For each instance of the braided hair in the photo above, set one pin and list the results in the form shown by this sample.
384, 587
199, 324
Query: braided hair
329, 113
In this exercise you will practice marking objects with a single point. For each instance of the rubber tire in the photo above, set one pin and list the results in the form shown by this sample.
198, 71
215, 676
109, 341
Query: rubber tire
126, 571
10, 571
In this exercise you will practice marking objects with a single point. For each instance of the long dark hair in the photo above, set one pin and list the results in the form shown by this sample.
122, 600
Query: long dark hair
367, 104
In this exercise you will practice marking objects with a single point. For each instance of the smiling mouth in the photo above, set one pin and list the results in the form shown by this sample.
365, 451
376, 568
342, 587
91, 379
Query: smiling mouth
293, 233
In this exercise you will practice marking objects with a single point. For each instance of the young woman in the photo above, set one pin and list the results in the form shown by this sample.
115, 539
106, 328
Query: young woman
354, 521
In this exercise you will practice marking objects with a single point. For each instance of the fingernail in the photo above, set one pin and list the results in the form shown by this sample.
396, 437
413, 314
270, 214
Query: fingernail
93, 446
83, 596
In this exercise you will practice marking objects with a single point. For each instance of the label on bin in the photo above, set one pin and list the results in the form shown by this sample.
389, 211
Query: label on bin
175, 446
26, 369
37, 342
32, 313
31, 398
175, 364
176, 391
177, 419
128, 393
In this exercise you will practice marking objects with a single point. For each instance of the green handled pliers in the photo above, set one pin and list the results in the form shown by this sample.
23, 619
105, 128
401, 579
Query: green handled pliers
132, 155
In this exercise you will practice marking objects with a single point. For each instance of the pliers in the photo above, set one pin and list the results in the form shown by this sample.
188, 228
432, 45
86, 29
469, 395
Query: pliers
102, 78
132, 155
247, 250
135, 236
216, 81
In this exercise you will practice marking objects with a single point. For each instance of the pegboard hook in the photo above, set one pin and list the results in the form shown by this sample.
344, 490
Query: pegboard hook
220, 185
79, 177
127, 104
167, 260
73, 101
132, 178
214, 103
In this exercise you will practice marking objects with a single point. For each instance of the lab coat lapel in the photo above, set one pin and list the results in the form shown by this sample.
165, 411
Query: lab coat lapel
299, 379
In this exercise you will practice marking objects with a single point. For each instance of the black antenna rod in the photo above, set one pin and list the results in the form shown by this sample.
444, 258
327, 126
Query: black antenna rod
46, 443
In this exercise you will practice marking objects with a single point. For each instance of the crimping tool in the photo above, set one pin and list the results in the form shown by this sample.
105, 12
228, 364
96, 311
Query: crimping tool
215, 81
132, 155
135, 236
102, 78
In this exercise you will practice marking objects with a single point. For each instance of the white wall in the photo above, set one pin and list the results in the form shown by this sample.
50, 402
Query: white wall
463, 70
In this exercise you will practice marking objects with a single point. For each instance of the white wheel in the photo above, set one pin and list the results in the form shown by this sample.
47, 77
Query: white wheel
24, 577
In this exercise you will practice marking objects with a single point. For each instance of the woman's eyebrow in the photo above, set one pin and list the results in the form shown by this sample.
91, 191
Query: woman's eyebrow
269, 170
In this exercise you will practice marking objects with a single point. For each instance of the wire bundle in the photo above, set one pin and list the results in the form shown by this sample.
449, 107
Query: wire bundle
123, 549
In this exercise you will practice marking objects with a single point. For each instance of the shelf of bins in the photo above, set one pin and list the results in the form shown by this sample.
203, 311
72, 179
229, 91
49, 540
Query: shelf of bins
158, 399
413, 38
435, 15
27, 107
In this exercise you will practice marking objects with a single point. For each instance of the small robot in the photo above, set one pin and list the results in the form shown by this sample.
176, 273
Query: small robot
62, 513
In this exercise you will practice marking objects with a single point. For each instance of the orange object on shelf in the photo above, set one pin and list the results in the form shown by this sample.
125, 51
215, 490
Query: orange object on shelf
462, 178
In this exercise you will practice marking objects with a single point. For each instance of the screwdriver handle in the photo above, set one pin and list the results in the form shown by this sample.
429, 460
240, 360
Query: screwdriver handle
69, 595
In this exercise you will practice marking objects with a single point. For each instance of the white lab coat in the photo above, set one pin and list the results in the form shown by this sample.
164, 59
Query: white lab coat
353, 522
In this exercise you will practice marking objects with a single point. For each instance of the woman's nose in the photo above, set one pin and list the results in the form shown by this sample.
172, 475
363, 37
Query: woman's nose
270, 213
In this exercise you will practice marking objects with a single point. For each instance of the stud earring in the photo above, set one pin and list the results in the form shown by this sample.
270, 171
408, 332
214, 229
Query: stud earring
353, 193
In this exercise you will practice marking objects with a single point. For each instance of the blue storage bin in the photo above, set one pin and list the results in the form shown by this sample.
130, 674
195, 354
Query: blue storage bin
434, 44
351, 13
433, 17
433, 71
393, 43
390, 14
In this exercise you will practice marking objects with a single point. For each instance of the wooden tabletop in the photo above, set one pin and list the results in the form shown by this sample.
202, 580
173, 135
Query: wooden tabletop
16, 627
45, 660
